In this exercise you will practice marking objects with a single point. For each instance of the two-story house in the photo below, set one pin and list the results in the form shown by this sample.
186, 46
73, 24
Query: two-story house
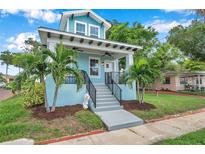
85, 31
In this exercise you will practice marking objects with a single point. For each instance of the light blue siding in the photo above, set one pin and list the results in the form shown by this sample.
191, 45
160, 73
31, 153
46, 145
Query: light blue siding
128, 93
87, 20
83, 63
67, 94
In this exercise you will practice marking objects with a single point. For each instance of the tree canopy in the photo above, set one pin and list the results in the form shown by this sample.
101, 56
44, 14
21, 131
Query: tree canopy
190, 40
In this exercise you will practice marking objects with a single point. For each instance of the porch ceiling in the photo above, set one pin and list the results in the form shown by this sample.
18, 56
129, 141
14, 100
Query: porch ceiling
85, 42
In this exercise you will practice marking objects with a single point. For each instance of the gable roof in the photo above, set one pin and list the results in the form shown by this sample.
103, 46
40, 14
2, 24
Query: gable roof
92, 14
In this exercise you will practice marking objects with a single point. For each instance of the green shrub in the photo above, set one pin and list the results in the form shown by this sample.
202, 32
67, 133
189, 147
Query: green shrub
35, 96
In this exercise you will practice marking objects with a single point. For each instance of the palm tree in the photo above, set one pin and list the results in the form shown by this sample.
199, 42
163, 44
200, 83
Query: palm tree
34, 66
60, 61
143, 73
6, 57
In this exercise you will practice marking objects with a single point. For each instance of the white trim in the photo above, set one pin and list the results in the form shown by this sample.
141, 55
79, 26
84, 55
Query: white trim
86, 38
83, 12
68, 29
104, 33
95, 26
99, 64
109, 61
80, 22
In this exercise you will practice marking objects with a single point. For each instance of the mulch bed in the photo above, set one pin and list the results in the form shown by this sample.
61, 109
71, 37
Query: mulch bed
60, 112
133, 104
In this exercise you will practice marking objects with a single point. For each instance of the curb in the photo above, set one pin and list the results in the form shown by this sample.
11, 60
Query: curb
65, 138
176, 115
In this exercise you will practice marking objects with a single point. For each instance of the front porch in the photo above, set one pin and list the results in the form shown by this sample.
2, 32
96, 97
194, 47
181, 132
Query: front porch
192, 81
96, 57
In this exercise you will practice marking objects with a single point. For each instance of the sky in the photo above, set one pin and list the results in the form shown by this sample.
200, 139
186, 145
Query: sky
17, 25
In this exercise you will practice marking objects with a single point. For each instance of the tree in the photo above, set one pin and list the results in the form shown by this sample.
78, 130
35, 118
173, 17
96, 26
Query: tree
190, 40
34, 64
144, 71
201, 12
60, 68
6, 57
166, 55
191, 65
135, 34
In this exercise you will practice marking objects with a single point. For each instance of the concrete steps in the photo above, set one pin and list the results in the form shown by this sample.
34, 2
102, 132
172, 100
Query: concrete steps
111, 112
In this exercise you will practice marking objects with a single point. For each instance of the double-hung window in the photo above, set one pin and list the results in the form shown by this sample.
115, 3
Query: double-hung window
80, 28
94, 31
94, 67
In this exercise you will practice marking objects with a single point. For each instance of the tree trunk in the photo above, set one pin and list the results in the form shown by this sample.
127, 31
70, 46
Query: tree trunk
143, 92
7, 67
45, 97
54, 99
138, 90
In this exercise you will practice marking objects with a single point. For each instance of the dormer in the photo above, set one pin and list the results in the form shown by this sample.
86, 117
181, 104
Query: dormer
84, 22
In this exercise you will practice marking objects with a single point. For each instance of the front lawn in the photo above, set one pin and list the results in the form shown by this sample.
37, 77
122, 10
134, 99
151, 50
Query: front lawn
18, 122
192, 138
168, 104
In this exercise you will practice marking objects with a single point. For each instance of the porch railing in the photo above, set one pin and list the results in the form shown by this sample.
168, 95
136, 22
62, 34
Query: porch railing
90, 87
118, 77
70, 80
113, 86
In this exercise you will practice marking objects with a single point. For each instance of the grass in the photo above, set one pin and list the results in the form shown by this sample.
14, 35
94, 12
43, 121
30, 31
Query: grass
17, 122
167, 104
193, 138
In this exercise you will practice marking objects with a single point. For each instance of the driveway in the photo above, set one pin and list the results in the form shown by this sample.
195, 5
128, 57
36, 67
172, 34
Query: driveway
145, 134
4, 94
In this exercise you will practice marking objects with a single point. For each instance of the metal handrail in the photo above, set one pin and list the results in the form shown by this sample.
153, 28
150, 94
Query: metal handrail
113, 86
90, 87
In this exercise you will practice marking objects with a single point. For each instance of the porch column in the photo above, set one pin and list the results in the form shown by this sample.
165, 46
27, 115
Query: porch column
129, 60
199, 85
116, 65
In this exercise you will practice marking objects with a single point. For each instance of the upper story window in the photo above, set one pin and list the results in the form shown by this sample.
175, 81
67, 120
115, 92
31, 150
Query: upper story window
94, 31
80, 28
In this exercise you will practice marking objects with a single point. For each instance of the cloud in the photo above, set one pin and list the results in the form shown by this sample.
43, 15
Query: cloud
17, 42
33, 15
185, 12
164, 26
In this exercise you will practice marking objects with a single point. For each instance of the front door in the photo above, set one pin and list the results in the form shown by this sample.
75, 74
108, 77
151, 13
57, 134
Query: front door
109, 66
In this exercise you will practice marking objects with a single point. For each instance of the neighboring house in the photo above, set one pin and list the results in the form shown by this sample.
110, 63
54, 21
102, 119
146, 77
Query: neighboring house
8, 78
98, 57
181, 81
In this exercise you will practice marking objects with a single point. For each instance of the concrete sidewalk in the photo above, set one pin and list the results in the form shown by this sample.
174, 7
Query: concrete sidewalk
147, 133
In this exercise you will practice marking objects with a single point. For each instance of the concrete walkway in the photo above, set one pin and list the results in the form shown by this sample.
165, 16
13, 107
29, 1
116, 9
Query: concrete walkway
4, 94
147, 133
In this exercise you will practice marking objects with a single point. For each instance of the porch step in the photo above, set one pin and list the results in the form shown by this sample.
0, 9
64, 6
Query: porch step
119, 119
107, 108
106, 99
107, 104
104, 96
107, 92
